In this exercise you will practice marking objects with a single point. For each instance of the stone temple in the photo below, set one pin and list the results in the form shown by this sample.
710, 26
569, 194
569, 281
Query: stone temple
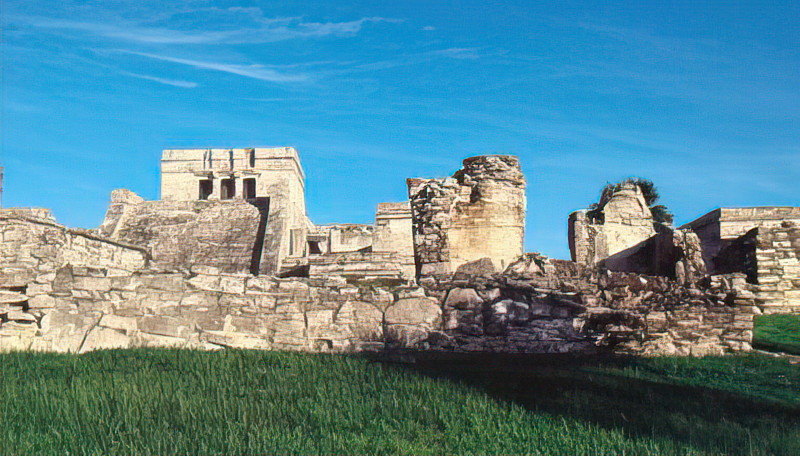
228, 257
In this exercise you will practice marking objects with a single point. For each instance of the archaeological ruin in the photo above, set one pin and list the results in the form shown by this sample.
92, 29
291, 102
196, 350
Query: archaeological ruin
228, 257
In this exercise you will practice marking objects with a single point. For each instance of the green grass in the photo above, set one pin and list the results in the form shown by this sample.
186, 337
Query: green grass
777, 332
248, 402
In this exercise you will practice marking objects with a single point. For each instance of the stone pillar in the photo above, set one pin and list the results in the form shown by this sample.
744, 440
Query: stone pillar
477, 213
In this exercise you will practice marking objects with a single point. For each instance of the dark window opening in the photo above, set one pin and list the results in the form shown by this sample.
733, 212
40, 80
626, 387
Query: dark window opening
263, 210
228, 188
206, 188
314, 248
252, 158
249, 188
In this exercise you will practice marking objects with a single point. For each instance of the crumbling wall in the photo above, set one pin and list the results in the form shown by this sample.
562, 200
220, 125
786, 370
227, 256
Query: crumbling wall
477, 213
623, 222
769, 256
672, 253
778, 263
721, 227
536, 306
219, 234
552, 306
32, 243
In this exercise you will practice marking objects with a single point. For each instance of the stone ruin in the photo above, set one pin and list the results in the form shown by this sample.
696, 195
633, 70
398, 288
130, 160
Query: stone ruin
229, 258
763, 243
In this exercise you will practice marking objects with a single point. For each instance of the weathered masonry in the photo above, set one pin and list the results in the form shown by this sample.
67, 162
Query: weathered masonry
761, 242
272, 179
228, 257
477, 213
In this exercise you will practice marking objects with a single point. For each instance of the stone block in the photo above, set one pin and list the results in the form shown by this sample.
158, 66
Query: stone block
414, 311
104, 338
463, 298
126, 324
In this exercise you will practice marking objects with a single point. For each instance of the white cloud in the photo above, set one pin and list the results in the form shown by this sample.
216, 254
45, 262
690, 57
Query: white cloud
172, 82
263, 31
429, 28
260, 72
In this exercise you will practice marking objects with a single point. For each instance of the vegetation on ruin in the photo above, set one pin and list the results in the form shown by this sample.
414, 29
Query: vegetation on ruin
778, 332
649, 191
247, 402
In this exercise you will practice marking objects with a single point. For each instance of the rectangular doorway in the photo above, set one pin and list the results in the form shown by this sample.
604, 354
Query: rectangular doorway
206, 188
249, 188
228, 188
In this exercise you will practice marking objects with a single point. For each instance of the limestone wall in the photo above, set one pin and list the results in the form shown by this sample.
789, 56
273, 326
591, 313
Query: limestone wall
278, 176
720, 227
672, 253
32, 243
477, 213
393, 229
778, 268
539, 306
219, 234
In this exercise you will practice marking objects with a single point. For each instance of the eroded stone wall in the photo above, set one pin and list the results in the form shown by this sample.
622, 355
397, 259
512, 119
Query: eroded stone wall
538, 306
721, 227
477, 213
32, 244
778, 268
220, 234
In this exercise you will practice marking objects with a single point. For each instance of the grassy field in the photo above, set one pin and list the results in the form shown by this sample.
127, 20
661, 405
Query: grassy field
246, 402
777, 333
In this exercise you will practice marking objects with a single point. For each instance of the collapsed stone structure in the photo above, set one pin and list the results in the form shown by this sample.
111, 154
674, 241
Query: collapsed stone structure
229, 258
763, 243
477, 213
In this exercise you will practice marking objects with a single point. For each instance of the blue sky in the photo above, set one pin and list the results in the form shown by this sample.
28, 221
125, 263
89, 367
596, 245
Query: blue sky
702, 98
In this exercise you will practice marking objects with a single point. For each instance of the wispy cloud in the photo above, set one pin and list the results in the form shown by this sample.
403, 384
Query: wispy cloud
459, 53
257, 31
171, 82
255, 71
429, 28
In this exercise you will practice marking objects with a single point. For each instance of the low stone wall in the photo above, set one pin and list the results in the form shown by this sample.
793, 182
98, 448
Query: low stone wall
550, 306
33, 244
537, 306
78, 309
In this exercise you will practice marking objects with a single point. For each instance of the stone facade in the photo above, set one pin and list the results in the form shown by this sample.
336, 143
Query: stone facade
536, 306
220, 234
720, 227
179, 273
477, 213
272, 175
770, 258
624, 222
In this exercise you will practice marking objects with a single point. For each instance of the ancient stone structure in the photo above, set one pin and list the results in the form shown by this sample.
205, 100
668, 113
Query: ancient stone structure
761, 242
624, 222
209, 269
720, 227
271, 178
477, 213
220, 234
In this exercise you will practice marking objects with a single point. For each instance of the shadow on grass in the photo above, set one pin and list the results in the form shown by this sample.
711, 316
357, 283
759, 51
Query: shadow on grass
636, 396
